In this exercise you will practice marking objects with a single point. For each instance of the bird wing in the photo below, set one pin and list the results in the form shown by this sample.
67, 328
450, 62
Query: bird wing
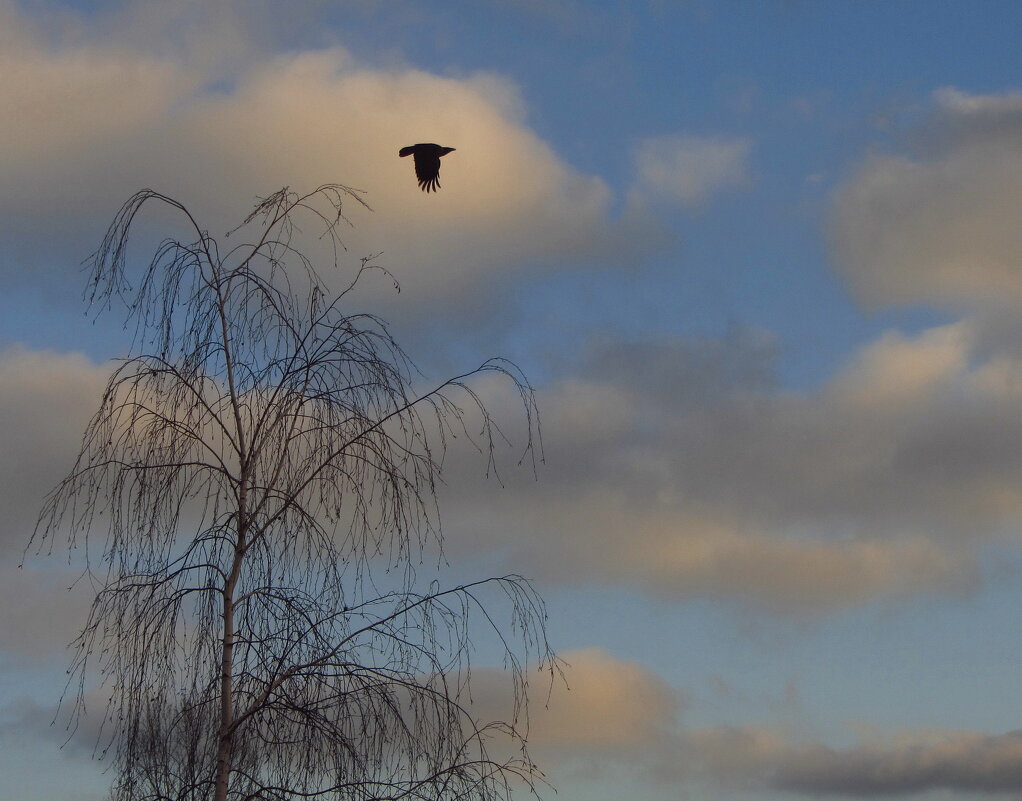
427, 170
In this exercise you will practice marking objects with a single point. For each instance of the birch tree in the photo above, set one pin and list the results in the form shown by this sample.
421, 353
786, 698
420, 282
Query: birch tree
254, 498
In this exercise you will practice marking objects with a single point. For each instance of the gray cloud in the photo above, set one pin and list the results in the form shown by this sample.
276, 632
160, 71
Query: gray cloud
939, 222
905, 764
961, 761
612, 715
52, 724
44, 610
688, 474
46, 399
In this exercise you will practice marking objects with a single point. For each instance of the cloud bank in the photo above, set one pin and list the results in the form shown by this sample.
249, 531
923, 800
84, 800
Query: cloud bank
678, 468
899, 765
611, 716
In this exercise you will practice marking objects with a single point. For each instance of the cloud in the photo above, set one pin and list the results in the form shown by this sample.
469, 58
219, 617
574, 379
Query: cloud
99, 119
56, 725
606, 712
968, 106
689, 169
507, 199
647, 451
729, 755
35, 765
678, 467
939, 223
898, 765
605, 705
46, 399
69, 102
613, 714
963, 761
44, 611
687, 473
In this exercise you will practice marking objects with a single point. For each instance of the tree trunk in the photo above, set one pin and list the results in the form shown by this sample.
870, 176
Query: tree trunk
226, 738
223, 756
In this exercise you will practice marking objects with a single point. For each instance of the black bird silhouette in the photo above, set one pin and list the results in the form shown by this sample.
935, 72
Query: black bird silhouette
427, 163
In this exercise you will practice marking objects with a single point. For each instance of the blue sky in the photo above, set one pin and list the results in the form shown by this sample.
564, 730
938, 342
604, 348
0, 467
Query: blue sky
761, 260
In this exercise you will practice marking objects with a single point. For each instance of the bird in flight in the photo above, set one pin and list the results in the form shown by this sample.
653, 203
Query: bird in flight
427, 163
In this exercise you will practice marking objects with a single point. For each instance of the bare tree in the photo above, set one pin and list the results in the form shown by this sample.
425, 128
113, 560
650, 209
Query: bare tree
262, 475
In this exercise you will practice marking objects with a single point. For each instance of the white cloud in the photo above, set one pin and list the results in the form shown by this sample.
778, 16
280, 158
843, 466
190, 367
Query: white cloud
959, 102
689, 169
98, 120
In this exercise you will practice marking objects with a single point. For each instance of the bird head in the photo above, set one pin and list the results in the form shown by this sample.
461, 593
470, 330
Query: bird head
445, 150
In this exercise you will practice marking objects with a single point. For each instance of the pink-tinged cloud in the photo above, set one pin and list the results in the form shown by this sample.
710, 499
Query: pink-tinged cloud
605, 713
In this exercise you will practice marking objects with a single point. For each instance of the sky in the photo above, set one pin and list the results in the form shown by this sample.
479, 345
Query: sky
762, 263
